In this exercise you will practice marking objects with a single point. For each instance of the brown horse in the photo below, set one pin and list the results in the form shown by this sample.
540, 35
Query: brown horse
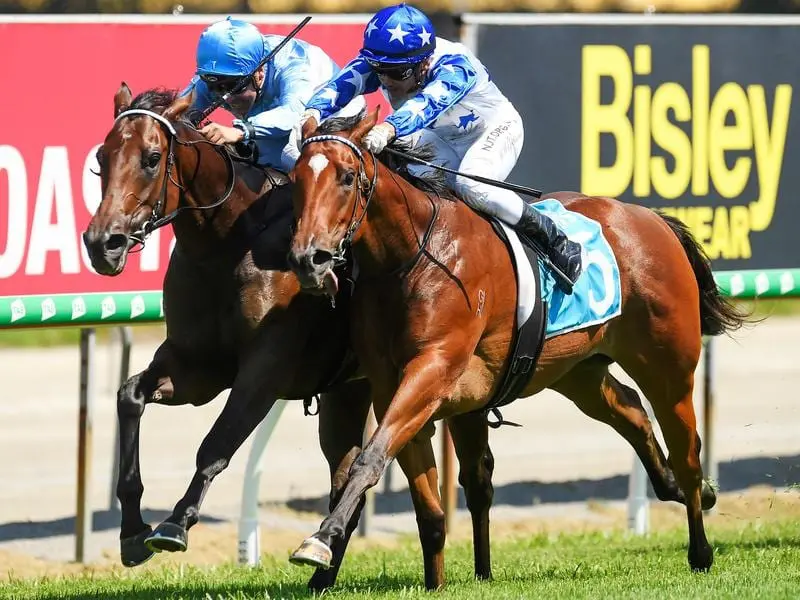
433, 315
234, 315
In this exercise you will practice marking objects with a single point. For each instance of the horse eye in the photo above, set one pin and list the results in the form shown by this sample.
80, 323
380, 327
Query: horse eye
348, 178
152, 160
99, 158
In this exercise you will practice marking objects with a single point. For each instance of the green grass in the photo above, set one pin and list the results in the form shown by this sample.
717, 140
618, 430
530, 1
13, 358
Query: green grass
751, 562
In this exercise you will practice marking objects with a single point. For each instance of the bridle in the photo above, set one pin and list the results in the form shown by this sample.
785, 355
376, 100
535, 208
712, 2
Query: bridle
156, 219
366, 188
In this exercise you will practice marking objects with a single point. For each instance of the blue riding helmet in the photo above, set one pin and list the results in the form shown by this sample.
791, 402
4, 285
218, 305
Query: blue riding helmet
229, 48
398, 35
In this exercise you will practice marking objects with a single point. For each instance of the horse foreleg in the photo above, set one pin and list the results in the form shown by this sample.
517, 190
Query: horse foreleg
471, 442
157, 385
419, 465
426, 381
342, 417
250, 400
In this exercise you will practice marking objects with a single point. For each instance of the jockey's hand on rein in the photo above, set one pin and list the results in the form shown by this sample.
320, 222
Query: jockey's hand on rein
297, 133
220, 134
379, 137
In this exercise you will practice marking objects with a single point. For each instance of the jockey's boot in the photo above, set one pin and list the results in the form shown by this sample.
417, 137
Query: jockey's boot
562, 252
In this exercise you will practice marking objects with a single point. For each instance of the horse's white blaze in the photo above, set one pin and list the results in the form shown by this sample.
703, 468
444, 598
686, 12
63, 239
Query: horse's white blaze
318, 162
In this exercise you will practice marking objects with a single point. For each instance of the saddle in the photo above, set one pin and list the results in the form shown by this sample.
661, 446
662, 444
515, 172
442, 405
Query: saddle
527, 341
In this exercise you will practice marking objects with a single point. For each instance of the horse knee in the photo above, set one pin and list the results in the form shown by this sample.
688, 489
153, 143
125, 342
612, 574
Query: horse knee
370, 464
130, 399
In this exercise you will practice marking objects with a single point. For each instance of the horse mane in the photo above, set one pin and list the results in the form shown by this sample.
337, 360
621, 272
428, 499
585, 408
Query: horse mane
158, 99
432, 181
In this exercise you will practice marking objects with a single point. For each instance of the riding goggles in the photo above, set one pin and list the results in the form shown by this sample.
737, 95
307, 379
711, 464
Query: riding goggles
395, 72
220, 84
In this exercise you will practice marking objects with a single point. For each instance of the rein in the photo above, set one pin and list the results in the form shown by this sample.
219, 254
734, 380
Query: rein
521, 189
339, 256
156, 219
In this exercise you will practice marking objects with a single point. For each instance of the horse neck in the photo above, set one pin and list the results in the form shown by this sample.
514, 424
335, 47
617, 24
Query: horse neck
398, 218
203, 172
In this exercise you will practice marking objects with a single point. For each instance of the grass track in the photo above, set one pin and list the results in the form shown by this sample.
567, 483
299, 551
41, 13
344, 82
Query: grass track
752, 561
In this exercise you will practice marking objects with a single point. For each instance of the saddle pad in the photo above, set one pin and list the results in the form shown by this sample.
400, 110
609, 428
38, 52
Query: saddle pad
597, 295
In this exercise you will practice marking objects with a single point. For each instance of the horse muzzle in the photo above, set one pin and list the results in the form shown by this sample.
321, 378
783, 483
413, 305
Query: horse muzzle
314, 269
107, 251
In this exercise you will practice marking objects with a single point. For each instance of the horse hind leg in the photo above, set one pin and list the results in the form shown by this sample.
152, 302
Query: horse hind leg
342, 418
476, 464
670, 393
599, 395
165, 381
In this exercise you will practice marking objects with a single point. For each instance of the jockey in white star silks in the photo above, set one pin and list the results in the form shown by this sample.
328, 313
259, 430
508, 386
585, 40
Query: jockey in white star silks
268, 108
442, 95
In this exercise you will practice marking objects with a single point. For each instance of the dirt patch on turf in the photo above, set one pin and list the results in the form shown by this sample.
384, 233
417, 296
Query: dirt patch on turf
215, 544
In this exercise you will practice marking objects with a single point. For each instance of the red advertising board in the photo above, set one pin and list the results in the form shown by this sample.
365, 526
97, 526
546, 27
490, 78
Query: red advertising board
57, 82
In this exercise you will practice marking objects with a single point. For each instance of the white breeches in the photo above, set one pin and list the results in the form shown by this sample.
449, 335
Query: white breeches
491, 155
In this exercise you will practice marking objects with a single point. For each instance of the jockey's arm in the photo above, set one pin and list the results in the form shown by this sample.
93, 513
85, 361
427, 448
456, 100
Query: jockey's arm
355, 79
292, 88
451, 78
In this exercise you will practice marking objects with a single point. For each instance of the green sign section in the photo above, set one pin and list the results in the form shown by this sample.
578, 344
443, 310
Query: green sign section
770, 283
141, 307
80, 309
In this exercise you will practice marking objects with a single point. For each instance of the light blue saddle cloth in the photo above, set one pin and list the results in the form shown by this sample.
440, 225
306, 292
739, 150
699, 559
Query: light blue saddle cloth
596, 297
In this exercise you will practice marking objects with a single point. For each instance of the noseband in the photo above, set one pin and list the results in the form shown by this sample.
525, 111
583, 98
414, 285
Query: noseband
156, 219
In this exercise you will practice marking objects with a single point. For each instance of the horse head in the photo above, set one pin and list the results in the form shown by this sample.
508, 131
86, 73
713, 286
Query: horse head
149, 168
334, 181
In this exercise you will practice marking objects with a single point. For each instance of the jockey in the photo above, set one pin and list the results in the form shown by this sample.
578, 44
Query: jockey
269, 107
442, 95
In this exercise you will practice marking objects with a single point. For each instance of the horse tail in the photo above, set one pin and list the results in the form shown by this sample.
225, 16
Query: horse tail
717, 313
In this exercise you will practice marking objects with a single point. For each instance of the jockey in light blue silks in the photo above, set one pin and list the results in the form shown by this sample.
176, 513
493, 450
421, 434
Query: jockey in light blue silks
269, 107
442, 95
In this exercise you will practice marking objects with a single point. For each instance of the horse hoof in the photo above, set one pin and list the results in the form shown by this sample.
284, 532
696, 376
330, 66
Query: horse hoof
132, 550
168, 537
708, 497
313, 553
701, 559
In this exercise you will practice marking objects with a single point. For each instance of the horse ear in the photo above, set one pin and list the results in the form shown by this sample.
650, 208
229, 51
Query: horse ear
122, 99
365, 125
178, 106
309, 128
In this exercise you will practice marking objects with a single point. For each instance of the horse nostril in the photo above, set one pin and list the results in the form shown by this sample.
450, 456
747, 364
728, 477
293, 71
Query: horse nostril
321, 257
116, 241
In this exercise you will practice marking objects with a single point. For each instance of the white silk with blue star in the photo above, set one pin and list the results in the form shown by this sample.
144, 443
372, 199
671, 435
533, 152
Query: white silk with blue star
457, 101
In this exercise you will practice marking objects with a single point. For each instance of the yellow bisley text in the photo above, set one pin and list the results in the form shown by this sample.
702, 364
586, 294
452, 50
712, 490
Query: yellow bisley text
736, 119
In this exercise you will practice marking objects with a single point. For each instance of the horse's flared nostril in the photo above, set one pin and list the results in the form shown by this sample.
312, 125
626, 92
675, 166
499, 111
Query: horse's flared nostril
309, 260
321, 257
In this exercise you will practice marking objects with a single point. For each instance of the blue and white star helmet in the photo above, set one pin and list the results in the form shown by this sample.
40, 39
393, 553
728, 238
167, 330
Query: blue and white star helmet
229, 48
398, 35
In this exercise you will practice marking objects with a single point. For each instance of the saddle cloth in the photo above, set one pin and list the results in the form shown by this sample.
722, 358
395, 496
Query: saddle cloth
597, 295
543, 309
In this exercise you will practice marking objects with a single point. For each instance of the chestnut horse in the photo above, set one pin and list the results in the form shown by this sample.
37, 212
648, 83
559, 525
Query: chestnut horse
432, 319
234, 315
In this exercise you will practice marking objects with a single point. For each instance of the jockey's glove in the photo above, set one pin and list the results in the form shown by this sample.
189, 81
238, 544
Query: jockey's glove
297, 132
379, 137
